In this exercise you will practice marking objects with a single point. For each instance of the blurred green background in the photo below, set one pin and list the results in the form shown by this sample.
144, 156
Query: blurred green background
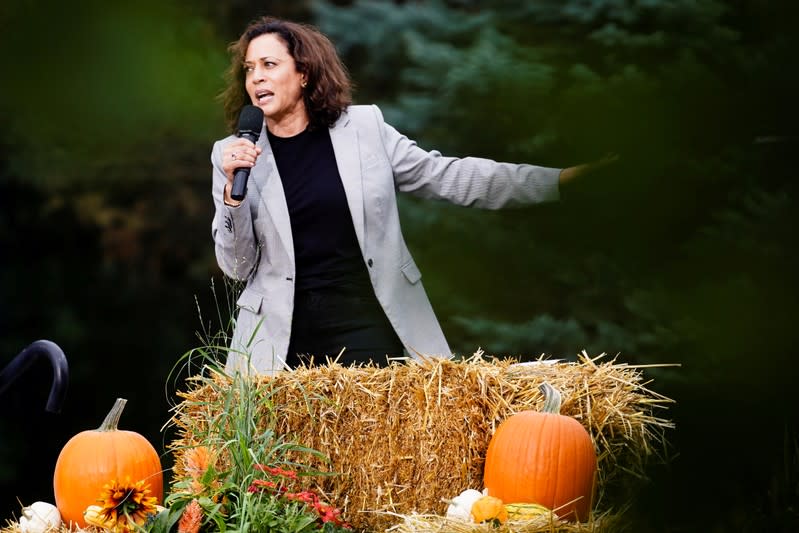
681, 252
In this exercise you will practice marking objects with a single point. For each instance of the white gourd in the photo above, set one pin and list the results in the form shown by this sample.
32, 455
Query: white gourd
460, 507
39, 517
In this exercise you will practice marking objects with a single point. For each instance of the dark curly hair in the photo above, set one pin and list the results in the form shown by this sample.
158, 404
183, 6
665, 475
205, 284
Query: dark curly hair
329, 89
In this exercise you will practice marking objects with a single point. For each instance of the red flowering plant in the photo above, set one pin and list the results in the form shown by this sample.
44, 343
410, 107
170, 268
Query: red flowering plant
277, 485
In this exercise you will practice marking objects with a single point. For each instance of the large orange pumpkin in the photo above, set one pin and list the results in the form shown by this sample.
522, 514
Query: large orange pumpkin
93, 458
544, 458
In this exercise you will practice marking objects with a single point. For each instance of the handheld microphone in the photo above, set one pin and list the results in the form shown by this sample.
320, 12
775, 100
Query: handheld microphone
251, 120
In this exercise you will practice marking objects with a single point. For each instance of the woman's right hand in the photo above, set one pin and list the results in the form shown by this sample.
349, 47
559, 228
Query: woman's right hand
570, 173
237, 154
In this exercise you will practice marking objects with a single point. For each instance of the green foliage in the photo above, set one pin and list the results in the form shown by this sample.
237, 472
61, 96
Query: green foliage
511, 339
269, 514
92, 81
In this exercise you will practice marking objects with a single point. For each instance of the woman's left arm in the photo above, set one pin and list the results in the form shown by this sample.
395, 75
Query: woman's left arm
467, 181
473, 181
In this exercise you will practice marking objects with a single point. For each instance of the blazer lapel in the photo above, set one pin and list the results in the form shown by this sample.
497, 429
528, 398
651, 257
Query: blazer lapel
345, 146
270, 189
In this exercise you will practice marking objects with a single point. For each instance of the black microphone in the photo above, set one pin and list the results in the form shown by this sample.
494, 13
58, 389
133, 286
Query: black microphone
251, 120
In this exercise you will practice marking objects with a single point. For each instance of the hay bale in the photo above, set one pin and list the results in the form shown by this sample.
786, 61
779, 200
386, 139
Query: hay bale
404, 437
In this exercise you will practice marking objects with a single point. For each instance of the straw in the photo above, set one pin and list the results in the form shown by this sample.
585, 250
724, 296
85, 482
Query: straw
401, 438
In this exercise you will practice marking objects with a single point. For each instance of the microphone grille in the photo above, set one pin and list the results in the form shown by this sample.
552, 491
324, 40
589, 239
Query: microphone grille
251, 119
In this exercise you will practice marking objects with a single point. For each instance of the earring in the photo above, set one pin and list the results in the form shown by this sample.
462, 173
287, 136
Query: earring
304, 84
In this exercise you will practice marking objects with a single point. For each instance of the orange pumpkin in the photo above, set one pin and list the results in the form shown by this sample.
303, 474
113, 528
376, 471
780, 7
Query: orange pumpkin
544, 458
93, 458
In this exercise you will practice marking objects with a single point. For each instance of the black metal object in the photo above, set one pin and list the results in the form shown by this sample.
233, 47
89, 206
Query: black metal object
35, 351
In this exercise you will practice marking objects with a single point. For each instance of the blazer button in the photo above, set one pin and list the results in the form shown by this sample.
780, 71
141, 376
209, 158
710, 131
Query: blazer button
370, 262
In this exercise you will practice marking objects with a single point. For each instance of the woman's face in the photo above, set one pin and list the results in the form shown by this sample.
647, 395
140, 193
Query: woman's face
272, 80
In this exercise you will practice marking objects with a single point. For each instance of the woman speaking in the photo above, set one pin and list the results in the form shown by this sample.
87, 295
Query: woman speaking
317, 235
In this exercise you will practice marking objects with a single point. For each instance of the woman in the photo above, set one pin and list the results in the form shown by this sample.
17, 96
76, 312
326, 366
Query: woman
317, 236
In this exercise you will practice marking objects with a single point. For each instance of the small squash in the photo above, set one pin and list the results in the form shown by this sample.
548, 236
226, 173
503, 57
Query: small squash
489, 509
93, 516
524, 512
544, 458
94, 458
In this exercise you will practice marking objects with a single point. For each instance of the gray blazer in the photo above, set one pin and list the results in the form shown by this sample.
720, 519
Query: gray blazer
253, 241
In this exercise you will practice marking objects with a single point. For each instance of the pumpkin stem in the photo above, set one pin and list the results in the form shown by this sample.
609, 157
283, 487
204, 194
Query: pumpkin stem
112, 418
552, 398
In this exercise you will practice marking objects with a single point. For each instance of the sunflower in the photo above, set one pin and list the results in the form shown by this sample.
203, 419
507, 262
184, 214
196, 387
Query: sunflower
122, 505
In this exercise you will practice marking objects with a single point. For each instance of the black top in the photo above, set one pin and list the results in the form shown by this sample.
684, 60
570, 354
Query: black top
326, 250
335, 306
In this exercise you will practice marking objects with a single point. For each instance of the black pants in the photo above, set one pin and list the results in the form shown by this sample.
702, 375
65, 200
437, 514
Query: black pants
328, 320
